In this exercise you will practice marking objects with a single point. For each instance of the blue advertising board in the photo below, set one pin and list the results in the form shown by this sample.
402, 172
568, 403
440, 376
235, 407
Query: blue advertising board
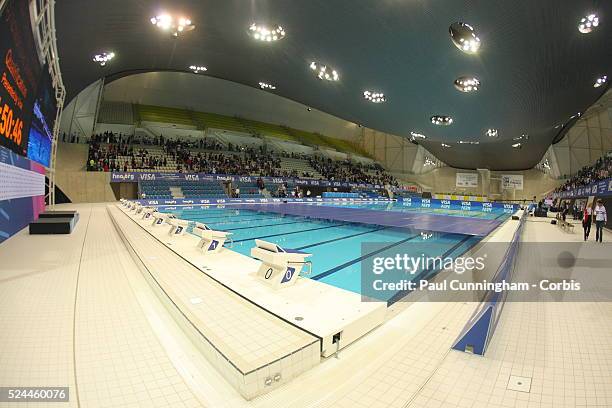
600, 188
433, 203
135, 177
407, 202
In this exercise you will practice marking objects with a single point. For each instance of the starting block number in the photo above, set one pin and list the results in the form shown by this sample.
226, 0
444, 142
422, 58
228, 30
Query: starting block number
213, 245
178, 230
288, 275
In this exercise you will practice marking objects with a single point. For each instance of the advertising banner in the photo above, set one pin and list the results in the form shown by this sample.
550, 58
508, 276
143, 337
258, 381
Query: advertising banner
469, 180
512, 181
135, 177
414, 202
600, 188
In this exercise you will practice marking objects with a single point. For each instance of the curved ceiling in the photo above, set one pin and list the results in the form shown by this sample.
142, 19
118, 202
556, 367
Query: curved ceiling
535, 68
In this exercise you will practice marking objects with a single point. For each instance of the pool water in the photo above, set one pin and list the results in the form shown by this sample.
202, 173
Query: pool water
336, 247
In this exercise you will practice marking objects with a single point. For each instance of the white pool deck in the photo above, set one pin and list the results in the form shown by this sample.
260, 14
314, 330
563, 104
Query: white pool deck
321, 309
245, 343
78, 312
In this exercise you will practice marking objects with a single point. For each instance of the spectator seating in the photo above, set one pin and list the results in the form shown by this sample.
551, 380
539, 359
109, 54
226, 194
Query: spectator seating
247, 189
116, 113
203, 120
109, 152
299, 167
162, 114
191, 189
199, 189
600, 170
215, 121
155, 190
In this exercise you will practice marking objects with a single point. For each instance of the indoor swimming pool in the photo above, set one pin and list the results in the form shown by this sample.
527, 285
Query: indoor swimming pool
336, 247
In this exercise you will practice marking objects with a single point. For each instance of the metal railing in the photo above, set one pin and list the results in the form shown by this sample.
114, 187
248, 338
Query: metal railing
43, 20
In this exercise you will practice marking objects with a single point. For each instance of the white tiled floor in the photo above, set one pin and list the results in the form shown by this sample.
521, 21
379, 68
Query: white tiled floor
127, 347
243, 332
565, 348
119, 361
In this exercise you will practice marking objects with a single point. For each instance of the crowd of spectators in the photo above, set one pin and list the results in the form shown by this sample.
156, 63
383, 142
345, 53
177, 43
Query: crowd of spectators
118, 152
602, 169
347, 170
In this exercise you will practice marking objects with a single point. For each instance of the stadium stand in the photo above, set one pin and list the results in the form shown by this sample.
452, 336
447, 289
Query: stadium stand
162, 114
205, 120
116, 113
112, 152
247, 189
602, 169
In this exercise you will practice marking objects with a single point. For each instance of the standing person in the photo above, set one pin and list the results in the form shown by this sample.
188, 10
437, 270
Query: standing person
587, 218
575, 211
601, 218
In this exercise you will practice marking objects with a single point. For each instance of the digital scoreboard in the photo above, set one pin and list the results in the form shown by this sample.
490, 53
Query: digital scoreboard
21, 75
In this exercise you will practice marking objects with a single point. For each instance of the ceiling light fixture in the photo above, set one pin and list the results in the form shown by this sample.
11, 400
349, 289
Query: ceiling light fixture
374, 97
416, 135
445, 145
600, 81
492, 133
588, 23
470, 142
323, 72
262, 32
103, 58
464, 37
517, 145
197, 68
441, 120
264, 85
467, 84
174, 25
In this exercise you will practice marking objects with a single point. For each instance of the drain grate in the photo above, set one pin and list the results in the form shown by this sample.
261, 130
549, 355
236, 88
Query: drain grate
522, 384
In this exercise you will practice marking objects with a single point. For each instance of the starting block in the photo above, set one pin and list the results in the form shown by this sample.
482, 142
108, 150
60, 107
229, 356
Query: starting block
280, 267
211, 241
177, 226
148, 212
160, 218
